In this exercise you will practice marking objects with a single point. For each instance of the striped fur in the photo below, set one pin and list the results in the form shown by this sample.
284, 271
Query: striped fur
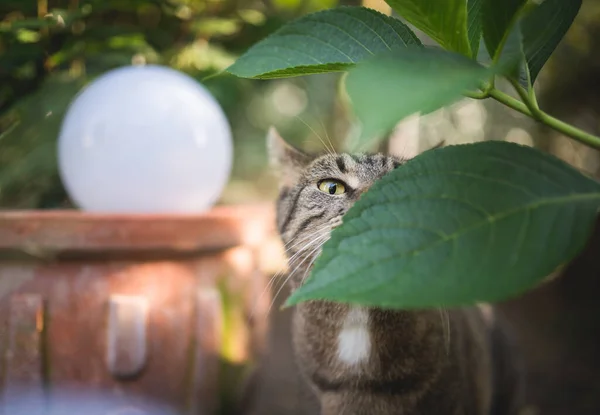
404, 362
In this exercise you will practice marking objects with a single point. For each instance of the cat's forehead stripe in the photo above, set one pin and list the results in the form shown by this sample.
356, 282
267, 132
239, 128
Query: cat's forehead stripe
341, 164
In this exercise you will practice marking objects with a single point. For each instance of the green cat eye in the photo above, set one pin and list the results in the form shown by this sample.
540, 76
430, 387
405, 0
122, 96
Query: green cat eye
332, 187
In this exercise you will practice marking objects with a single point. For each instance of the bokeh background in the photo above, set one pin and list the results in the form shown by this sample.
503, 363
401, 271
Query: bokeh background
50, 49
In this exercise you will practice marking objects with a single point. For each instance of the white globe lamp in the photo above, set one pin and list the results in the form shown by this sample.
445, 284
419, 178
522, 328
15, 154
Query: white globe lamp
145, 139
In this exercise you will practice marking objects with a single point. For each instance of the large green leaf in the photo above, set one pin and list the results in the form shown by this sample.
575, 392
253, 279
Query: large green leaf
326, 41
498, 18
543, 29
474, 25
444, 21
388, 88
456, 226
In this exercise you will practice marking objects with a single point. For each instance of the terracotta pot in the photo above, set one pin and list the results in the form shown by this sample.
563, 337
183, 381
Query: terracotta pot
168, 307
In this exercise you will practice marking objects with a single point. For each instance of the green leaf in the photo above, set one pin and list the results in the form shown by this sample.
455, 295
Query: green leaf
543, 29
474, 25
456, 226
215, 26
498, 18
388, 88
28, 36
510, 61
326, 41
444, 21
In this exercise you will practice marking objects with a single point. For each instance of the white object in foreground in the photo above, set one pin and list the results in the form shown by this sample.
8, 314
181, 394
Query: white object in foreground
145, 139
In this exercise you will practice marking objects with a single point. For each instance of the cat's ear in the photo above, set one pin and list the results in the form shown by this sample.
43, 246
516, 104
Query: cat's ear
287, 160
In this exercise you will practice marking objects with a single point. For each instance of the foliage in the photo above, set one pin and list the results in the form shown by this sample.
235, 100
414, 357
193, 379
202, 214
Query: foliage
294, 49
414, 76
444, 21
50, 49
459, 213
454, 226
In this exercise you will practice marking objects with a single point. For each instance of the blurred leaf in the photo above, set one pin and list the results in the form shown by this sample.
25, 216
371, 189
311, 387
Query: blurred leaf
444, 21
15, 57
67, 53
26, 24
202, 57
28, 36
93, 36
326, 41
544, 28
388, 88
305, 5
216, 27
287, 4
25, 71
457, 226
498, 17
27, 150
66, 18
133, 41
322, 4
253, 17
474, 25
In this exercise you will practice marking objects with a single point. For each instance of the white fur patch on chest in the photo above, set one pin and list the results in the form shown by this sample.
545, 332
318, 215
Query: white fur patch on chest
354, 339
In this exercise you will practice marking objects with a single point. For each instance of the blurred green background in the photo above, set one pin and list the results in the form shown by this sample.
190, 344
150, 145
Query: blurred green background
49, 49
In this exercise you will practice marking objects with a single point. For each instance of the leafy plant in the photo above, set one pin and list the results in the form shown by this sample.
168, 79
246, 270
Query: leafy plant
49, 50
456, 225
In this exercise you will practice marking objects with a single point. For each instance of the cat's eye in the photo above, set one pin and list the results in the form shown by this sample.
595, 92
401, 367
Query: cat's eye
332, 187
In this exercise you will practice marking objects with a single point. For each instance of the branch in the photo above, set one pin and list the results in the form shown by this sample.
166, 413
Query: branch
530, 108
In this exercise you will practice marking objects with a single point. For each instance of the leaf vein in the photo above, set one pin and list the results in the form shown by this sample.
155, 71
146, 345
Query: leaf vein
346, 33
502, 215
371, 29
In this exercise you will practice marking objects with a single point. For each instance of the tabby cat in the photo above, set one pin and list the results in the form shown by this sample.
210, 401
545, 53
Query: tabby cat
371, 361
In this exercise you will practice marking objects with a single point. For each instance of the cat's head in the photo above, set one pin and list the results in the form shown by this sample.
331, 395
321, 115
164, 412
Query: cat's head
315, 193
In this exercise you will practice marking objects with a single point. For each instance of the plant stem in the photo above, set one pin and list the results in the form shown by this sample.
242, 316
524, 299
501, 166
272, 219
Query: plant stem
510, 102
530, 109
527, 99
476, 95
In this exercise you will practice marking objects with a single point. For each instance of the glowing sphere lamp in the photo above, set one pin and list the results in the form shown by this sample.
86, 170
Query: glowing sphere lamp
145, 139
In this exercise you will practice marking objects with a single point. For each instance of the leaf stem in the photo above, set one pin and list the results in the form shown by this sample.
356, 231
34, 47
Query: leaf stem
510, 102
476, 94
530, 108
526, 99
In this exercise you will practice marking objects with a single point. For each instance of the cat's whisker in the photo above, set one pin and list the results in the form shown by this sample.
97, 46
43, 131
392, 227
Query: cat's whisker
320, 120
290, 275
327, 135
306, 247
292, 272
291, 261
295, 242
306, 273
311, 255
315, 231
445, 320
330, 151
272, 282
274, 299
